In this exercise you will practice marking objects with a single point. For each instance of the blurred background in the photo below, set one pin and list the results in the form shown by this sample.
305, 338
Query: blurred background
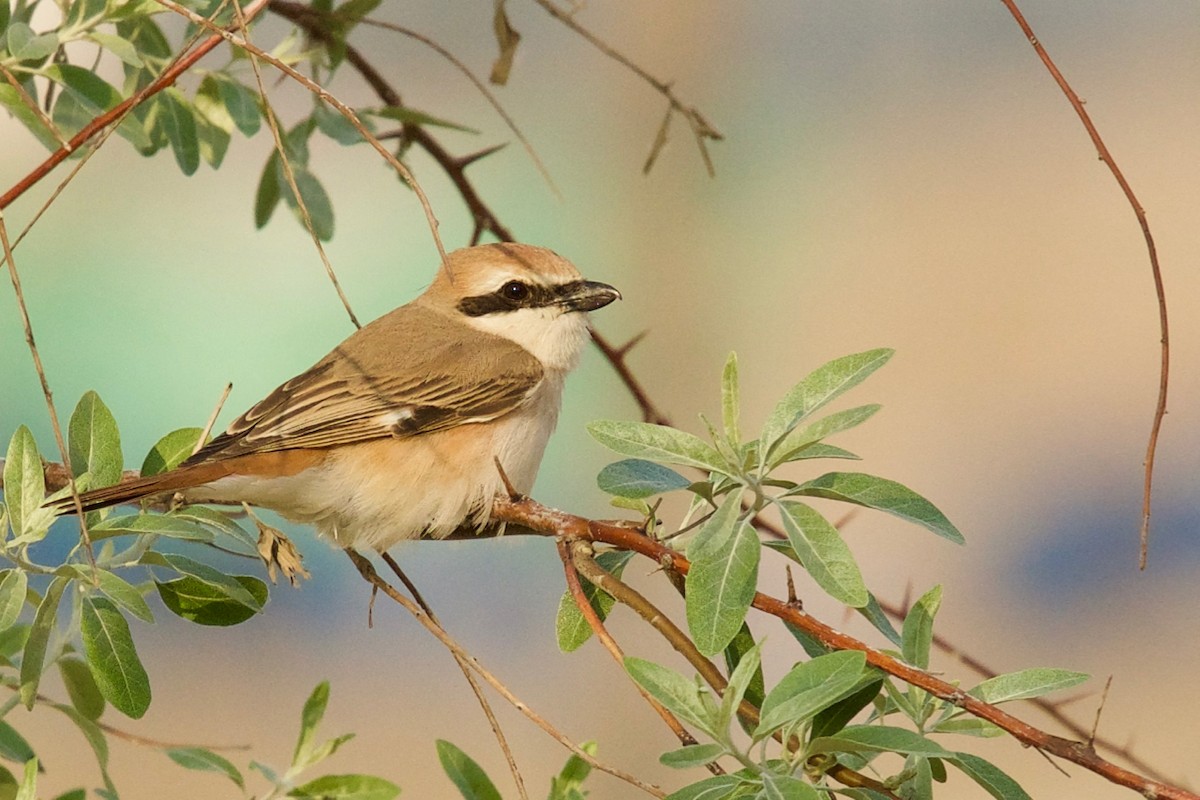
902, 175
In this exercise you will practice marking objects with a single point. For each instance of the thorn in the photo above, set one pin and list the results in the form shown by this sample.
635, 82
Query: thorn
513, 494
632, 343
462, 162
371, 607
1099, 710
792, 600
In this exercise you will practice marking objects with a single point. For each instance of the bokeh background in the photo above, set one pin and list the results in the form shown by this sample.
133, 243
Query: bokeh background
893, 174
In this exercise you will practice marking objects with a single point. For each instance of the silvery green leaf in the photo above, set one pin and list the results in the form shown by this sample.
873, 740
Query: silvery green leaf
989, 776
28, 788
881, 494
878, 618
822, 450
803, 437
720, 587
470, 779
809, 687
13, 746
114, 661
680, 695
917, 633
171, 450
969, 726
24, 484
656, 443
637, 478
94, 442
828, 721
12, 596
346, 787
878, 738
787, 787
114, 587
755, 690
206, 604
716, 532
571, 628
820, 386
198, 758
187, 566
310, 717
1026, 683
81, 687
34, 657
717, 787
748, 667
729, 400
170, 525
824, 553
692, 755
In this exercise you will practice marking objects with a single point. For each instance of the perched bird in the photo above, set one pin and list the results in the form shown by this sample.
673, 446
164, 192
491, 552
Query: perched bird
395, 434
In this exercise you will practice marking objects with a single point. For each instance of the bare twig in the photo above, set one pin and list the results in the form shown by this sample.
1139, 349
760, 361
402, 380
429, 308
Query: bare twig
1160, 408
367, 570
466, 671
212, 418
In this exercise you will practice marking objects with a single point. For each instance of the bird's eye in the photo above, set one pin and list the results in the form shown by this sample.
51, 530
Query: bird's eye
514, 291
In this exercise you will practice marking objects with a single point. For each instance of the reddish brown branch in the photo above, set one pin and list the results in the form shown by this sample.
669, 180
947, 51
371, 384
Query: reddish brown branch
1160, 408
549, 522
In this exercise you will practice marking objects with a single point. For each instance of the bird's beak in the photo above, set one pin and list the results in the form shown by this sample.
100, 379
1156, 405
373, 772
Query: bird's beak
587, 295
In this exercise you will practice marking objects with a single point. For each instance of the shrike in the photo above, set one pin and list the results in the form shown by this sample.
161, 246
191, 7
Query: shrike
394, 435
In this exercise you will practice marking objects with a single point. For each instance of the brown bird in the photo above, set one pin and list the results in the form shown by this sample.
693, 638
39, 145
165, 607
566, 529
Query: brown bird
394, 435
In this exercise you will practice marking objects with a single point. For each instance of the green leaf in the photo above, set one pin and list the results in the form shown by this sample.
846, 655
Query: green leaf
240, 102
213, 140
180, 127
879, 618
410, 116
755, 691
822, 450
25, 45
832, 719
571, 629
13, 640
989, 776
680, 695
820, 387
1026, 683
268, 195
316, 201
792, 446
918, 781
94, 442
692, 755
716, 534
218, 521
310, 718
472, 782
81, 687
787, 787
11, 99
718, 787
34, 657
809, 687
171, 450
565, 785
720, 588
205, 604
115, 588
119, 47
730, 400
917, 633
169, 525
346, 787
25, 486
883, 495
749, 667
28, 790
824, 554
93, 96
13, 746
94, 736
198, 758
232, 588
656, 443
114, 661
878, 738
331, 123
74, 794
637, 478
12, 596
969, 726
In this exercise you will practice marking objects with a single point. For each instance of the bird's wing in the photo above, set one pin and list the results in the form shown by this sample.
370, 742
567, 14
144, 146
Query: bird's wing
408, 373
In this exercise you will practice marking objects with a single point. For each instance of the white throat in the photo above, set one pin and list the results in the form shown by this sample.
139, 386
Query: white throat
552, 336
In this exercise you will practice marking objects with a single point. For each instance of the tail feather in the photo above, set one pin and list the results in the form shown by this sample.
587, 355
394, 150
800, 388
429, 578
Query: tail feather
139, 488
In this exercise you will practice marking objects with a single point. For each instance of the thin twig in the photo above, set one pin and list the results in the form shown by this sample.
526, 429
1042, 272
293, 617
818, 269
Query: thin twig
466, 671
212, 418
367, 570
1160, 407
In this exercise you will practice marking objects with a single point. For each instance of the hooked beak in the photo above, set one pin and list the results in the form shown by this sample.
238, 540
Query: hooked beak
587, 295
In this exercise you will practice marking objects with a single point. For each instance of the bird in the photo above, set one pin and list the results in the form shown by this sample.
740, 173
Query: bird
398, 432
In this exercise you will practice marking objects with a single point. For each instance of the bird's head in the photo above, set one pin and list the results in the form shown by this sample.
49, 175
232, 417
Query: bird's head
529, 295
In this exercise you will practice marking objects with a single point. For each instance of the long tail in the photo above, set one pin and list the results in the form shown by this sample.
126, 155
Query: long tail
138, 488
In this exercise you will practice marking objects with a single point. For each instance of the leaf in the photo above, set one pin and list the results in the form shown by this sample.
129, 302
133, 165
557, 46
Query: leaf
170, 525
718, 787
24, 485
692, 755
565, 785
787, 787
115, 588
472, 782
94, 442
171, 450
411, 116
508, 39
213, 140
28, 790
969, 726
198, 758
240, 102
755, 690
792, 446
310, 717
818, 388
346, 787
917, 632
749, 667
824, 554
717, 532
656, 443
680, 695
637, 478
571, 629
232, 588
822, 450
205, 604
25, 45
121, 48
81, 687
34, 657
730, 400
828, 721
11, 99
877, 617
809, 687
268, 195
989, 776
180, 127
331, 123
12, 596
878, 738
94, 736
13, 746
1026, 683
316, 201
883, 495
114, 661
720, 588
